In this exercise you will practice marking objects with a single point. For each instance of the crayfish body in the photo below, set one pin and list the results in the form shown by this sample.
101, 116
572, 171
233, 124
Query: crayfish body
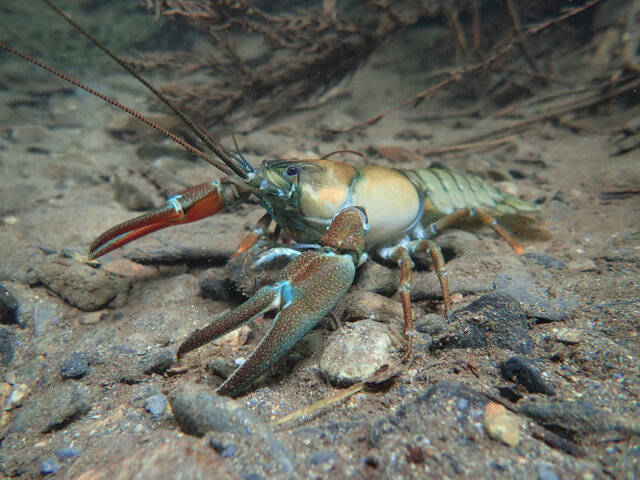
320, 203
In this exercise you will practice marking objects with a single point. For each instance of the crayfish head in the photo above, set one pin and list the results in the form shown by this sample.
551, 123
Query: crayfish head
347, 231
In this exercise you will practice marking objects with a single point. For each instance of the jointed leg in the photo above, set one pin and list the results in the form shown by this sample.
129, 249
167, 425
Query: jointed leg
464, 213
440, 267
250, 239
401, 256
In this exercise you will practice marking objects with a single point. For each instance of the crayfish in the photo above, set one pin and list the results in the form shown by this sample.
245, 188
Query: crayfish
321, 205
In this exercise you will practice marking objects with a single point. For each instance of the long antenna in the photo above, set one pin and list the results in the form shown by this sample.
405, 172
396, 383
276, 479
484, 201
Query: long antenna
216, 147
187, 146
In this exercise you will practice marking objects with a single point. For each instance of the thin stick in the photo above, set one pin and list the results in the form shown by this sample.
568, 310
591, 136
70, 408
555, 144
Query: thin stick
466, 146
517, 27
555, 113
456, 75
309, 411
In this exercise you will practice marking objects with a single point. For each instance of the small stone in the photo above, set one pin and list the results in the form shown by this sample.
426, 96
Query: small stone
74, 366
545, 473
492, 320
68, 452
236, 338
578, 418
398, 155
44, 314
501, 424
134, 192
8, 307
79, 285
534, 299
360, 305
92, 318
570, 336
229, 451
52, 410
422, 341
582, 265
356, 352
199, 411
126, 268
431, 324
455, 243
376, 278
221, 367
519, 370
160, 454
49, 466
216, 285
7, 347
18, 394
546, 261
324, 456
156, 404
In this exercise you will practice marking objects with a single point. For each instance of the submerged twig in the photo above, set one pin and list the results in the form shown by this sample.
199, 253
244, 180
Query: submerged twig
456, 75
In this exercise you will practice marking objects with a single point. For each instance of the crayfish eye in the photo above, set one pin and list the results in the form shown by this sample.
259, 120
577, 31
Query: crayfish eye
292, 171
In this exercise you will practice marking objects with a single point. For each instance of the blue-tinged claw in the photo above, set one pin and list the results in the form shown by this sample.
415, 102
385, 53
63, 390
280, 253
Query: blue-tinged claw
307, 289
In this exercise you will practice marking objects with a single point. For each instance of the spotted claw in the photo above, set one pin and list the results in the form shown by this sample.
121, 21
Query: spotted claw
306, 290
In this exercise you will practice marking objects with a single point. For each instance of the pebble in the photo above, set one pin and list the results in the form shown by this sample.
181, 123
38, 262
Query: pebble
199, 411
7, 347
79, 285
495, 319
170, 248
577, 417
134, 192
160, 454
545, 260
431, 324
582, 265
8, 307
44, 314
501, 424
360, 304
545, 473
356, 352
520, 371
215, 284
221, 367
534, 299
375, 278
455, 243
156, 405
53, 409
323, 456
18, 393
49, 466
68, 452
570, 336
74, 366
235, 338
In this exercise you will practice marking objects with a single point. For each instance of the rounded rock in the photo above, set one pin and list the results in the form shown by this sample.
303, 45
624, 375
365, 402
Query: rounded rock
356, 352
74, 366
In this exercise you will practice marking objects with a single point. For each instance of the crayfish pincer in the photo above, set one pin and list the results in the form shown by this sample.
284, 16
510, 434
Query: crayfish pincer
306, 290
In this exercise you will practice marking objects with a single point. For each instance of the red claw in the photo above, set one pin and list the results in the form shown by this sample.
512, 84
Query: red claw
192, 204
